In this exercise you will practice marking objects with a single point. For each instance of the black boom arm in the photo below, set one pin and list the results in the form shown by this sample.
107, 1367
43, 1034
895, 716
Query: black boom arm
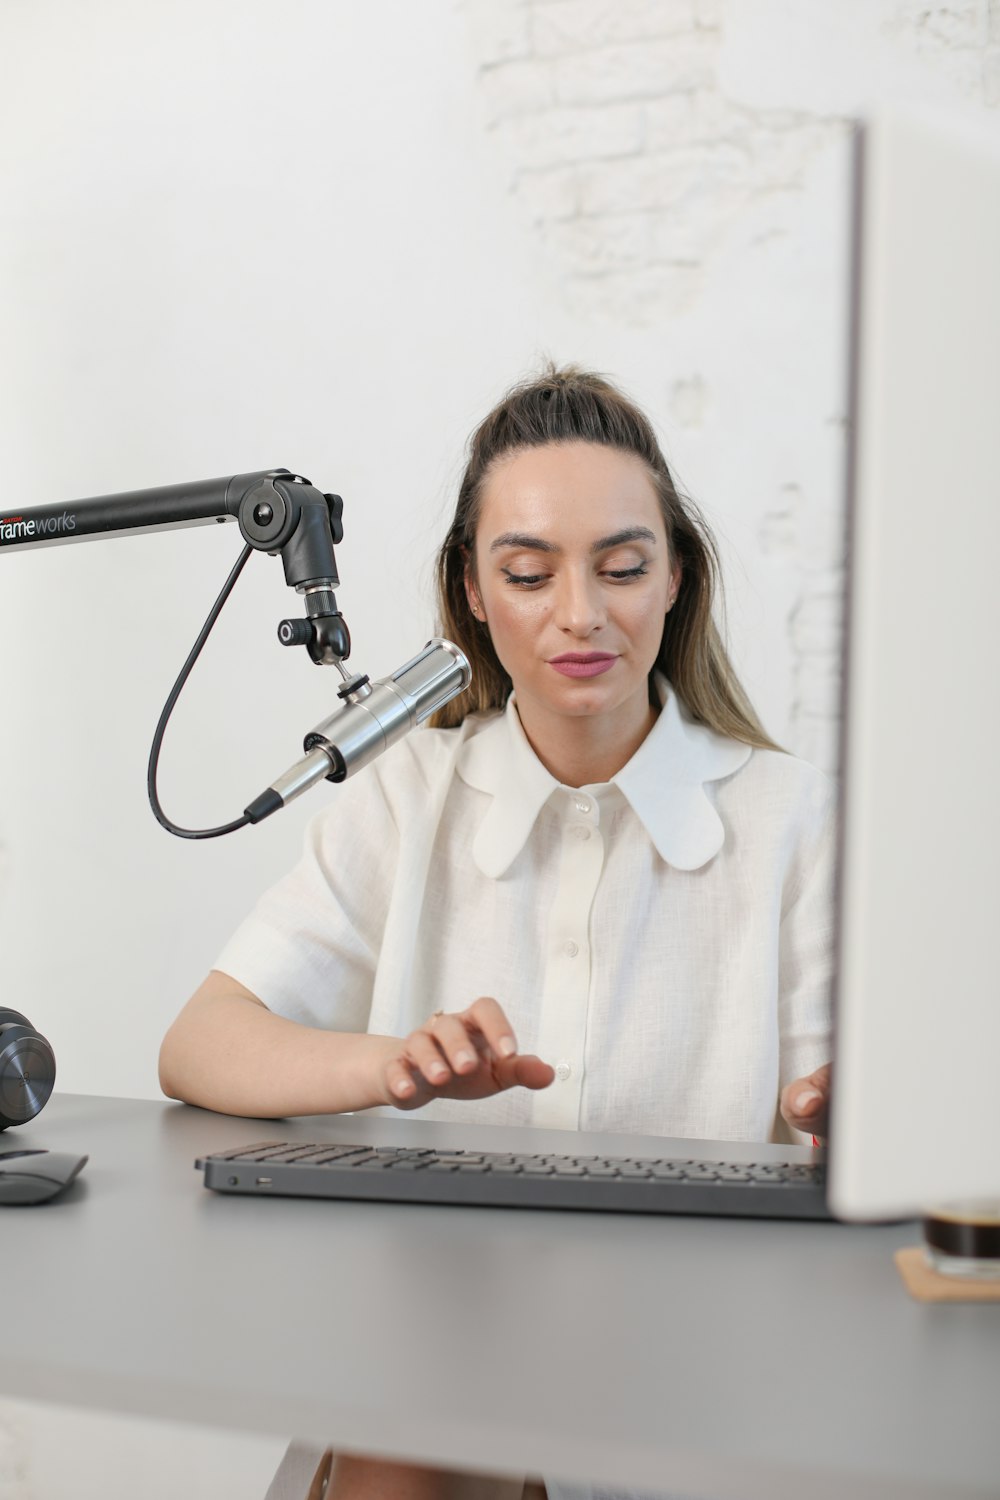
277, 512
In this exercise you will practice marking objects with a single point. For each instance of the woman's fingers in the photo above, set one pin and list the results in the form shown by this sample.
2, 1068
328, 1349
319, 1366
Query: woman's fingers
487, 1016
530, 1072
423, 1053
464, 1054
399, 1081
455, 1045
805, 1103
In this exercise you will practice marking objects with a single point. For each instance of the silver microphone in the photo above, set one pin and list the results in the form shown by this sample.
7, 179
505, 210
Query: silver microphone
374, 716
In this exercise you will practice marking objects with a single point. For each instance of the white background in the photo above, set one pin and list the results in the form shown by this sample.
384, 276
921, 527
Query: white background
328, 236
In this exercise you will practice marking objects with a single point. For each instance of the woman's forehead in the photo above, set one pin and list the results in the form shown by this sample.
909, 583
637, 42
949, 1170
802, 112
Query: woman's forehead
568, 489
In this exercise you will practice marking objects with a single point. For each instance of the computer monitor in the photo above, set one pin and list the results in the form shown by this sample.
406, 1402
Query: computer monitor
916, 1089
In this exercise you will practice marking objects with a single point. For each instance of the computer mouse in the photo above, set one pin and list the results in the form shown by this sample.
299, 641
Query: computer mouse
33, 1176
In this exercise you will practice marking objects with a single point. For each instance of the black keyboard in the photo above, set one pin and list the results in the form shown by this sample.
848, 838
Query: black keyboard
629, 1184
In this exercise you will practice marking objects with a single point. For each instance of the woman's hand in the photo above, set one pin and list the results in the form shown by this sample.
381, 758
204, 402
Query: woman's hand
467, 1054
805, 1103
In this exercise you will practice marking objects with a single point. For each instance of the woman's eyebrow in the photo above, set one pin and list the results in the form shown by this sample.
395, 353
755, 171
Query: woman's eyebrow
619, 538
603, 544
522, 539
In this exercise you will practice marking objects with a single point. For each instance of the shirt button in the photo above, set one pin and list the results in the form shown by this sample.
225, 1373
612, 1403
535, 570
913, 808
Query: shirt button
580, 832
582, 805
563, 1071
571, 950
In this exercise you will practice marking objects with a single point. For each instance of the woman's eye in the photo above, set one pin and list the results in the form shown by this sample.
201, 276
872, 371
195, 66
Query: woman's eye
525, 580
639, 571
534, 580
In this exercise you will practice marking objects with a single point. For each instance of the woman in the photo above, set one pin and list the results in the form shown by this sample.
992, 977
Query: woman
595, 894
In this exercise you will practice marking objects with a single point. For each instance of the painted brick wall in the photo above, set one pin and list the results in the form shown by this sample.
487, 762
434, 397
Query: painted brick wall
648, 143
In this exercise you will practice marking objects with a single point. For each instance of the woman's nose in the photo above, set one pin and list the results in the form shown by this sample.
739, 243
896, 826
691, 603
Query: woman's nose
579, 609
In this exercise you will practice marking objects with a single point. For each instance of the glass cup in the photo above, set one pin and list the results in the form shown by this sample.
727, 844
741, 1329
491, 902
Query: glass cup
963, 1238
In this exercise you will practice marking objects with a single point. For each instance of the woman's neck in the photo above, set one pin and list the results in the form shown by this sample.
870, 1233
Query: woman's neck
587, 749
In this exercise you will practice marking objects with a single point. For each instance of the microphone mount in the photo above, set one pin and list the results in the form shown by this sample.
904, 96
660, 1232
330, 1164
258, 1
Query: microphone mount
278, 512
282, 514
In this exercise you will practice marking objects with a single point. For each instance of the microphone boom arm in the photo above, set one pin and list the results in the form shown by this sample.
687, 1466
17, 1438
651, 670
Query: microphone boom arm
278, 512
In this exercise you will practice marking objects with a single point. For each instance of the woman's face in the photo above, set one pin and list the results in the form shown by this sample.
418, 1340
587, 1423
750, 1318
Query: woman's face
573, 577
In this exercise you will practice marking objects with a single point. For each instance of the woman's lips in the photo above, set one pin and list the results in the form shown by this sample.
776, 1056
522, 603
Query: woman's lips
590, 665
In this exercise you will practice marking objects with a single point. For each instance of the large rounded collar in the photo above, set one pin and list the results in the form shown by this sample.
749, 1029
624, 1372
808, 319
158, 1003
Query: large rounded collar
664, 784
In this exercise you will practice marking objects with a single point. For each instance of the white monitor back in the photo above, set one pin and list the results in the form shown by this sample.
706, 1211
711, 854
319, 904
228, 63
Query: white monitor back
916, 1106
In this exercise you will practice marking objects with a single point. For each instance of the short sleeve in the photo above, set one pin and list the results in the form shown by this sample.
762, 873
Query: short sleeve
310, 948
805, 973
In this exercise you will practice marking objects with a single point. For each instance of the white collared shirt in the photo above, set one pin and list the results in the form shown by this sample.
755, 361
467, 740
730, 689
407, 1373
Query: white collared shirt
663, 939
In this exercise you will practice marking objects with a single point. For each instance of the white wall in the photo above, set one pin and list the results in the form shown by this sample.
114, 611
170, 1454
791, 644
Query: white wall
327, 235
245, 236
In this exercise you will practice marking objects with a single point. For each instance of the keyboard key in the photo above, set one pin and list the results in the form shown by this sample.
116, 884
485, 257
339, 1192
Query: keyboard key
288, 1156
247, 1153
268, 1154
337, 1153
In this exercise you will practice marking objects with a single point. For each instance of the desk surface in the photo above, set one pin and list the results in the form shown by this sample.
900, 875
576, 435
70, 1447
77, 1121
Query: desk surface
719, 1357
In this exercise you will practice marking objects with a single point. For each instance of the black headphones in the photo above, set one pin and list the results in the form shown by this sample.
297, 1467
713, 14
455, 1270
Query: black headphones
27, 1069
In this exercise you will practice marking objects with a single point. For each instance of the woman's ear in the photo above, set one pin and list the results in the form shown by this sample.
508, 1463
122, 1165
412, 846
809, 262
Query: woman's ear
471, 592
674, 585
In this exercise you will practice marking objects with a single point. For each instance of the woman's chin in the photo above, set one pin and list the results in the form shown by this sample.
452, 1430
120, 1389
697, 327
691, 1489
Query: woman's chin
580, 697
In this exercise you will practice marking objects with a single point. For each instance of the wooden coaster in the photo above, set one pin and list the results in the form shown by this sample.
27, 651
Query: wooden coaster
932, 1286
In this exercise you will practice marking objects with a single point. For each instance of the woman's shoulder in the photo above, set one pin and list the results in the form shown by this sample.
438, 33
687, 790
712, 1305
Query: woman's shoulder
777, 784
783, 768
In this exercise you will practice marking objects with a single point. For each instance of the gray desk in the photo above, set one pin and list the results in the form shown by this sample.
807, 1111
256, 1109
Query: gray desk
750, 1360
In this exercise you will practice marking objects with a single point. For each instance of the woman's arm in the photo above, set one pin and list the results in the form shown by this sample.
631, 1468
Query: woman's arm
226, 1051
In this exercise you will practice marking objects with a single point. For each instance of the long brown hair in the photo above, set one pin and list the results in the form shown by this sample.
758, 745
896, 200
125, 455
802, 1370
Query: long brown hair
565, 405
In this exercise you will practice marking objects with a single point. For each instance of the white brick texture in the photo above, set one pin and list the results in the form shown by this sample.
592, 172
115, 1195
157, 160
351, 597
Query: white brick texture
561, 136
560, 28
641, 169
636, 70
